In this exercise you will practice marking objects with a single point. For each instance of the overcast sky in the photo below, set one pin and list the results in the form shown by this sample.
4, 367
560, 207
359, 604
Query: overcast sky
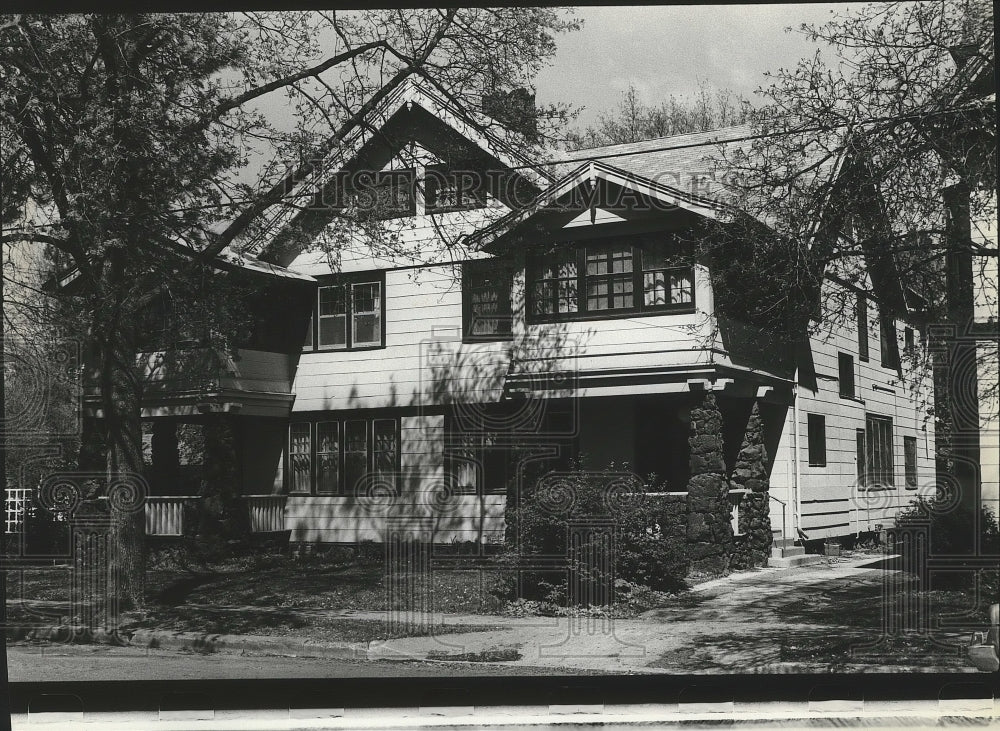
668, 50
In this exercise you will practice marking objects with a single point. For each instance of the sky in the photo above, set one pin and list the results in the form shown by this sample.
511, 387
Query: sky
665, 50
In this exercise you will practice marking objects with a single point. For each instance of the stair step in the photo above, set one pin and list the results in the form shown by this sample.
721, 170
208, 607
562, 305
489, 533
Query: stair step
787, 562
786, 551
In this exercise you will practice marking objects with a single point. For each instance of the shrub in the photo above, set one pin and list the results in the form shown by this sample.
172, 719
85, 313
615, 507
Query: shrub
949, 529
649, 550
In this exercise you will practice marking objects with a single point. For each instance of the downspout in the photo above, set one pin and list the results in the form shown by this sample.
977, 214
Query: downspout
796, 507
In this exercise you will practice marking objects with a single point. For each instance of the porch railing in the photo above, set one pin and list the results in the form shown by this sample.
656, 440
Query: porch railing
18, 501
267, 513
165, 514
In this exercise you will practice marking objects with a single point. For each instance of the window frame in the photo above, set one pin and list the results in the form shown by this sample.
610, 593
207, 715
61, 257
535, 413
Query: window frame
911, 467
816, 439
862, 323
454, 442
469, 271
873, 472
342, 489
846, 360
577, 252
436, 173
348, 282
888, 345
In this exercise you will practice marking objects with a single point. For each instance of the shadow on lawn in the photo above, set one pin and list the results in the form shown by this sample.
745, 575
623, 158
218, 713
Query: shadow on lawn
832, 648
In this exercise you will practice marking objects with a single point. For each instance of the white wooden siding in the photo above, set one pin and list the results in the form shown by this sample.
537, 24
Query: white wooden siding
828, 499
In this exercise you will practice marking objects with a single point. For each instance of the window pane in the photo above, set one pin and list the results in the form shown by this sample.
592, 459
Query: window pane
489, 295
846, 374
910, 457
385, 450
367, 303
681, 286
327, 456
333, 331
332, 301
366, 297
655, 288
332, 316
299, 458
355, 454
817, 439
859, 437
367, 330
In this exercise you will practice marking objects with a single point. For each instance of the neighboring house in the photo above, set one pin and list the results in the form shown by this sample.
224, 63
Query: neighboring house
549, 313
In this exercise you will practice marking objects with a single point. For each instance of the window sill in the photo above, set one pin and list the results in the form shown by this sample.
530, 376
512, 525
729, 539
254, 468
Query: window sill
473, 339
343, 350
812, 464
607, 315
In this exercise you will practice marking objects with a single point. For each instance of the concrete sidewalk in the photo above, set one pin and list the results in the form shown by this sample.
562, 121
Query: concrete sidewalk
731, 624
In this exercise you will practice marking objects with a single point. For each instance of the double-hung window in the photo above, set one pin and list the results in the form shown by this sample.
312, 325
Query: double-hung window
349, 314
486, 300
608, 278
862, 312
342, 456
888, 344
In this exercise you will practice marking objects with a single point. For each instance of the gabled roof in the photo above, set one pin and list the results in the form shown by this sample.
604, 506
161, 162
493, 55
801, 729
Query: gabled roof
687, 171
481, 130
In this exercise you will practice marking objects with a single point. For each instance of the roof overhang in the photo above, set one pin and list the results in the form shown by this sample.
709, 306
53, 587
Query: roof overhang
586, 188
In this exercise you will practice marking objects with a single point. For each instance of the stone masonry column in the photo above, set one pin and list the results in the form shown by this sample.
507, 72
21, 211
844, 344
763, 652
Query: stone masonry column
709, 532
750, 473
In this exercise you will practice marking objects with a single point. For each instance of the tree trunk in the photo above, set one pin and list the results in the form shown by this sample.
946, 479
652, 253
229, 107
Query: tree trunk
121, 390
959, 398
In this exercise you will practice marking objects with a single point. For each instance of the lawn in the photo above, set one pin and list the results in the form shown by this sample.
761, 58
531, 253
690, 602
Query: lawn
274, 594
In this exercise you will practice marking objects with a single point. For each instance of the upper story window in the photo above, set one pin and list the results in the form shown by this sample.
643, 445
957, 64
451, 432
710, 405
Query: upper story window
486, 300
845, 375
349, 314
452, 190
605, 279
862, 306
887, 342
384, 194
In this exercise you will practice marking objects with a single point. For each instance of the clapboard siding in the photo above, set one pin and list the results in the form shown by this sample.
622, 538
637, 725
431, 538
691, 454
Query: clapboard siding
421, 496
831, 502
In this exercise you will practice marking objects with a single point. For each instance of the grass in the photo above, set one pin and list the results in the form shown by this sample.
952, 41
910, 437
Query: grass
270, 594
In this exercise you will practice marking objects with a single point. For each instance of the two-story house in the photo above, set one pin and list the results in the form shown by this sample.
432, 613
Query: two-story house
506, 313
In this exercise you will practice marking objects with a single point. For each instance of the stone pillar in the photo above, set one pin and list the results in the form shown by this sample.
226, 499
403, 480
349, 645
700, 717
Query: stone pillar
709, 532
750, 473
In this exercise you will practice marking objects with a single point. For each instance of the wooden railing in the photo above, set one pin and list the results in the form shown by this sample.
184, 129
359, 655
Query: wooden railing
165, 514
267, 513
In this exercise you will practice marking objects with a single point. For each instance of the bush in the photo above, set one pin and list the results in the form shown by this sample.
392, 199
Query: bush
649, 550
949, 529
